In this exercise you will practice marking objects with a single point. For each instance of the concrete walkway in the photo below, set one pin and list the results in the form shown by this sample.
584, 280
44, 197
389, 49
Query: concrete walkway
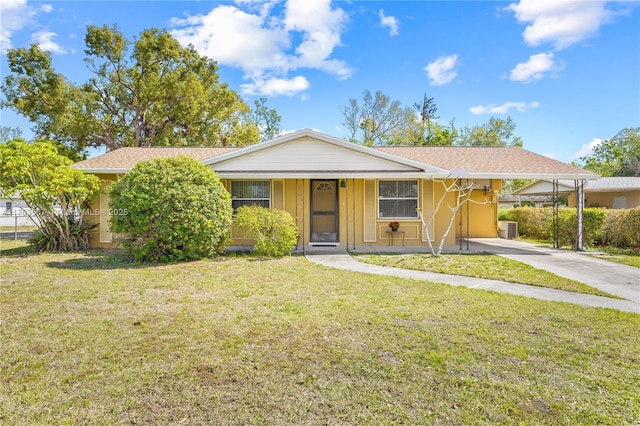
621, 280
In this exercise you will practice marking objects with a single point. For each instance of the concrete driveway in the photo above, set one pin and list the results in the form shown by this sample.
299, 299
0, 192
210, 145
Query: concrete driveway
611, 277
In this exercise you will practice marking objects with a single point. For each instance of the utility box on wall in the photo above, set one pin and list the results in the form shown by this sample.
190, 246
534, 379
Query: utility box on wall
508, 230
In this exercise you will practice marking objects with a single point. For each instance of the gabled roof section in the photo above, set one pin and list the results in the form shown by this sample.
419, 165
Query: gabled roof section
124, 159
491, 162
307, 153
605, 184
613, 184
545, 187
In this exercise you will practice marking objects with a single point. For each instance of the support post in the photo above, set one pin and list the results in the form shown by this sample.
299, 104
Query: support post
579, 211
556, 220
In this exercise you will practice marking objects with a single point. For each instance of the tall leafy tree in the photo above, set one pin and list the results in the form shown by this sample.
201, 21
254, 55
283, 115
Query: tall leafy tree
426, 110
618, 156
267, 119
377, 120
8, 133
147, 92
497, 132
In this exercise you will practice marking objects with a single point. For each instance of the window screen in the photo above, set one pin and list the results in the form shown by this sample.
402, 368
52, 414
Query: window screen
250, 192
397, 198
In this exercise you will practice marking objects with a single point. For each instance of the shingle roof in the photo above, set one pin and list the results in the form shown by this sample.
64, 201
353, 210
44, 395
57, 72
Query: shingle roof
606, 184
124, 159
486, 160
473, 162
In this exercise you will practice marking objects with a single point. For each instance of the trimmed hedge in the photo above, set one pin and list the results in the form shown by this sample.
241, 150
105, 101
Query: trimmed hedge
618, 228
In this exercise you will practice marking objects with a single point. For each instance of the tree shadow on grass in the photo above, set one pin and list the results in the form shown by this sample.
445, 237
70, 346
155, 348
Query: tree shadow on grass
114, 259
99, 259
20, 251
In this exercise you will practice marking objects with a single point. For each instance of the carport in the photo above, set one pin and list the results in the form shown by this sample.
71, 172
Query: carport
555, 189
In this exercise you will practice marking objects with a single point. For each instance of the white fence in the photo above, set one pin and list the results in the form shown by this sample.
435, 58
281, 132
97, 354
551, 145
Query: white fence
14, 222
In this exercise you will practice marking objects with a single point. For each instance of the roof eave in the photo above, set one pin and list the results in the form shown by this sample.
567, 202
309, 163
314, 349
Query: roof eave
105, 171
329, 175
539, 176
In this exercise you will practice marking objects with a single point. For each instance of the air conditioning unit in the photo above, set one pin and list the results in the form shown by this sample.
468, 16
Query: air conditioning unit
508, 230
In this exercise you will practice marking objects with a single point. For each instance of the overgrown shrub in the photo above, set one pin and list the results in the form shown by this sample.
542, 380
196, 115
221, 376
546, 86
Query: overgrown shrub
619, 228
622, 228
592, 222
176, 210
534, 222
274, 231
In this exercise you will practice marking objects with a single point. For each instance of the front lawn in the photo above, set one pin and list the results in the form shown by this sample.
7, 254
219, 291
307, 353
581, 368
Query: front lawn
90, 338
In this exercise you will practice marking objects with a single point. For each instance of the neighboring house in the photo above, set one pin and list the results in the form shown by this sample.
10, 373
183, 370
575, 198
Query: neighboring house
14, 212
610, 192
522, 201
342, 193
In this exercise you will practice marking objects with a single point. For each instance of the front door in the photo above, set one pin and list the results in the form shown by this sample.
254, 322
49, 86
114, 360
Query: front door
324, 211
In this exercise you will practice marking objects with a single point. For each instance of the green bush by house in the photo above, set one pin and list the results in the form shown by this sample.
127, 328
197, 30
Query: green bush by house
274, 231
176, 209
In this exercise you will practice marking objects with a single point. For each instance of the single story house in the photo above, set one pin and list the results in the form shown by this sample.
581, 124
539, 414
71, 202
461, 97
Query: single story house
343, 193
610, 192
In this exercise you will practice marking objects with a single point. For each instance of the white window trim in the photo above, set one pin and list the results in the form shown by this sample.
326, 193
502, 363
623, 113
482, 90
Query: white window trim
417, 198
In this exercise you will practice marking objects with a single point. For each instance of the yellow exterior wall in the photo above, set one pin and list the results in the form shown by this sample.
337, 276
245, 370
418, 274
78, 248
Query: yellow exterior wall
98, 213
358, 225
481, 217
605, 199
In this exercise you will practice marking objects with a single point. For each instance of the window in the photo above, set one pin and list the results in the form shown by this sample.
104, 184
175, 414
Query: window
250, 192
397, 198
9, 208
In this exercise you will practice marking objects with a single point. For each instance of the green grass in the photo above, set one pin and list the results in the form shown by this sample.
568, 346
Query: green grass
628, 256
482, 266
89, 338
12, 228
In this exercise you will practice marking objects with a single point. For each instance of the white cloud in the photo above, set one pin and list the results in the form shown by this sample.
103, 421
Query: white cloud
44, 39
261, 44
275, 86
234, 38
14, 16
587, 149
504, 108
390, 22
442, 70
535, 68
563, 23
46, 8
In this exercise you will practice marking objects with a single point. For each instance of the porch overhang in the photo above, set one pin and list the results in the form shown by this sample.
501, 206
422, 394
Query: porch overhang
328, 174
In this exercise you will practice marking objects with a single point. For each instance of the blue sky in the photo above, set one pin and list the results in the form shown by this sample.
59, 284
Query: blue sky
567, 73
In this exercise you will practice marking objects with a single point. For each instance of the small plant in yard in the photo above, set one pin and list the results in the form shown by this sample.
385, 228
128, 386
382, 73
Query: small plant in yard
274, 231
176, 210
394, 226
